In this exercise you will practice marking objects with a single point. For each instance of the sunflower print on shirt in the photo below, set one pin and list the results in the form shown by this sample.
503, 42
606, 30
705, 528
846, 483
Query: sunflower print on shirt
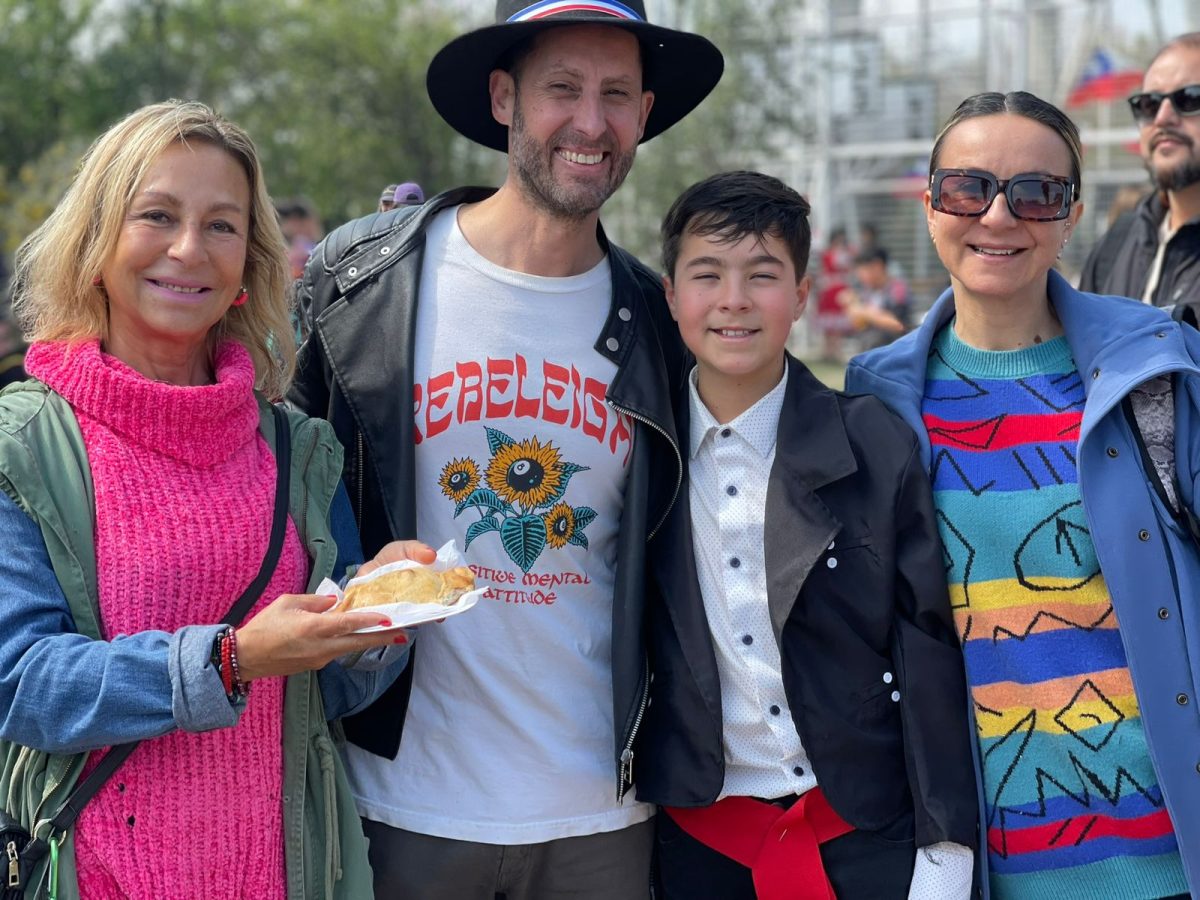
519, 495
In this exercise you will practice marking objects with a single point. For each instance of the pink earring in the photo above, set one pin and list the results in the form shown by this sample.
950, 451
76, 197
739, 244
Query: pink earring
97, 282
241, 298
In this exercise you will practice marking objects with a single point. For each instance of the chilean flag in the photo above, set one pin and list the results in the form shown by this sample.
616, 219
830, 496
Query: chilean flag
1104, 78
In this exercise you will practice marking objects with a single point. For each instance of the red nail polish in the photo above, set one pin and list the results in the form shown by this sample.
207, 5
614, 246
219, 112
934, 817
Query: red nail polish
385, 623
400, 640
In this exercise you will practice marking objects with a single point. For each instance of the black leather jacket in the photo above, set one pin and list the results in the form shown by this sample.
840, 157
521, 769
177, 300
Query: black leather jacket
856, 591
359, 298
1120, 263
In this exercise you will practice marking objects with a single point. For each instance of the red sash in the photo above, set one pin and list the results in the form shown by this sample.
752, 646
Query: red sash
779, 846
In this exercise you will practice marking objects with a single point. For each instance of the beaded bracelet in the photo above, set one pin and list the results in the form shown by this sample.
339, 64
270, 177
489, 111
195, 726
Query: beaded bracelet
224, 657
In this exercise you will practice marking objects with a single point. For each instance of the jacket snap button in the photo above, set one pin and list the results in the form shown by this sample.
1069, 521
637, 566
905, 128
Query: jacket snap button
887, 677
612, 344
384, 251
895, 696
1112, 452
1143, 535
624, 315
831, 562
352, 271
1164, 613
831, 543
1181, 699
1160, 334
1095, 373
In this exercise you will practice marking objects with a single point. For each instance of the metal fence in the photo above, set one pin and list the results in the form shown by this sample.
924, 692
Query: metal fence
873, 80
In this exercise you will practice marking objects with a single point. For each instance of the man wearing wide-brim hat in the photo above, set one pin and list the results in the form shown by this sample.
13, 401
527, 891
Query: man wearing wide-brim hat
501, 375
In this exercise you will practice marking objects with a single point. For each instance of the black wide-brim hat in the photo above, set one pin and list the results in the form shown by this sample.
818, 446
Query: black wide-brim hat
680, 68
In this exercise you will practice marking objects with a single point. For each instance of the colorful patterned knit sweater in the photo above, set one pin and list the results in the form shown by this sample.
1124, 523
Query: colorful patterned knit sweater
184, 490
1073, 805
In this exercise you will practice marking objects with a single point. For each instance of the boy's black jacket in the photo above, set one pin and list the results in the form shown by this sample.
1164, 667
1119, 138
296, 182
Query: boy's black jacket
847, 473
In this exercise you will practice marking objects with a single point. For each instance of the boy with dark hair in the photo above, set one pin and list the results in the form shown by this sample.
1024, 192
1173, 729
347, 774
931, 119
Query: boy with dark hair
807, 730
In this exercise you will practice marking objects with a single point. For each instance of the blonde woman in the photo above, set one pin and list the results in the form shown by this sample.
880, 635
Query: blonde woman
138, 471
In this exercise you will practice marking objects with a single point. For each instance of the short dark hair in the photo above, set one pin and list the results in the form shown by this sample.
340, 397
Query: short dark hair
730, 206
1017, 103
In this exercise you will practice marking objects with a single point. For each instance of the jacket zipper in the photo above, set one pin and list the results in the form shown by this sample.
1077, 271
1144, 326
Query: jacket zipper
625, 775
625, 770
678, 463
358, 435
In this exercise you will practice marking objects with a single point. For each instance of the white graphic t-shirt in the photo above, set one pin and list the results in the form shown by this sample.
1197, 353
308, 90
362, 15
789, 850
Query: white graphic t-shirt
509, 735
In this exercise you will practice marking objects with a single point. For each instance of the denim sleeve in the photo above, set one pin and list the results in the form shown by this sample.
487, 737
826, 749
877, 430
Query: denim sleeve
354, 682
62, 692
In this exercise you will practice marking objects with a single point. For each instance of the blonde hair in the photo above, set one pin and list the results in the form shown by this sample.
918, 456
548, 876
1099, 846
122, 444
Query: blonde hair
54, 297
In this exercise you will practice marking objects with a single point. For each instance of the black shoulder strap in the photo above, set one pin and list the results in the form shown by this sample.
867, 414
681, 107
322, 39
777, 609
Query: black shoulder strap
112, 761
1180, 509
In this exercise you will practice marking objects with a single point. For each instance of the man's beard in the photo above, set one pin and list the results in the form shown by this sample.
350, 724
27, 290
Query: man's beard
1180, 175
563, 200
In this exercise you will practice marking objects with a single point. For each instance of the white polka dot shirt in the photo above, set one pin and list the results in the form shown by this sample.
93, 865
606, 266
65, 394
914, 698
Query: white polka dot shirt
729, 468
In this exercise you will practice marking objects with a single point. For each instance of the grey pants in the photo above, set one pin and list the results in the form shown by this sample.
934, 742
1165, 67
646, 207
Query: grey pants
613, 865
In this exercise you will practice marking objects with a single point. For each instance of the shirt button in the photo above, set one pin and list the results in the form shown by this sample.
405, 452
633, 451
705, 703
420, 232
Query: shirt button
735, 562
747, 639
624, 315
831, 562
1095, 373
612, 344
731, 490
726, 432
800, 771
887, 677
895, 696
774, 710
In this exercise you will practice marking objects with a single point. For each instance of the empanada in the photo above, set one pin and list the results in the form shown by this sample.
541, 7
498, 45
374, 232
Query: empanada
416, 585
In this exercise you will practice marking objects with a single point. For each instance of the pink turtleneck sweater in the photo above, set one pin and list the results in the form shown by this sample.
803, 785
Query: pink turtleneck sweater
184, 492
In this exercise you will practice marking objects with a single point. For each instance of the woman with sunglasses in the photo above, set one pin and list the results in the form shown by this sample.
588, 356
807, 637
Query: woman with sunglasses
1061, 431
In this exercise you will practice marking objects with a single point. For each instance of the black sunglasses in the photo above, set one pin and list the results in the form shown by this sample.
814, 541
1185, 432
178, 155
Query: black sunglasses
1186, 101
1031, 196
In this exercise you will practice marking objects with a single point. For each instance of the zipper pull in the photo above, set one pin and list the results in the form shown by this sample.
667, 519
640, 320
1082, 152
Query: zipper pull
14, 865
627, 766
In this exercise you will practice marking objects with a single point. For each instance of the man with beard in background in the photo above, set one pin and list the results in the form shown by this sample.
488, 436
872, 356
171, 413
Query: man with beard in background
1153, 253
501, 375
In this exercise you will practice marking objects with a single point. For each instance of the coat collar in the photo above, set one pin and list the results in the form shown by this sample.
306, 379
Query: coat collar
811, 451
